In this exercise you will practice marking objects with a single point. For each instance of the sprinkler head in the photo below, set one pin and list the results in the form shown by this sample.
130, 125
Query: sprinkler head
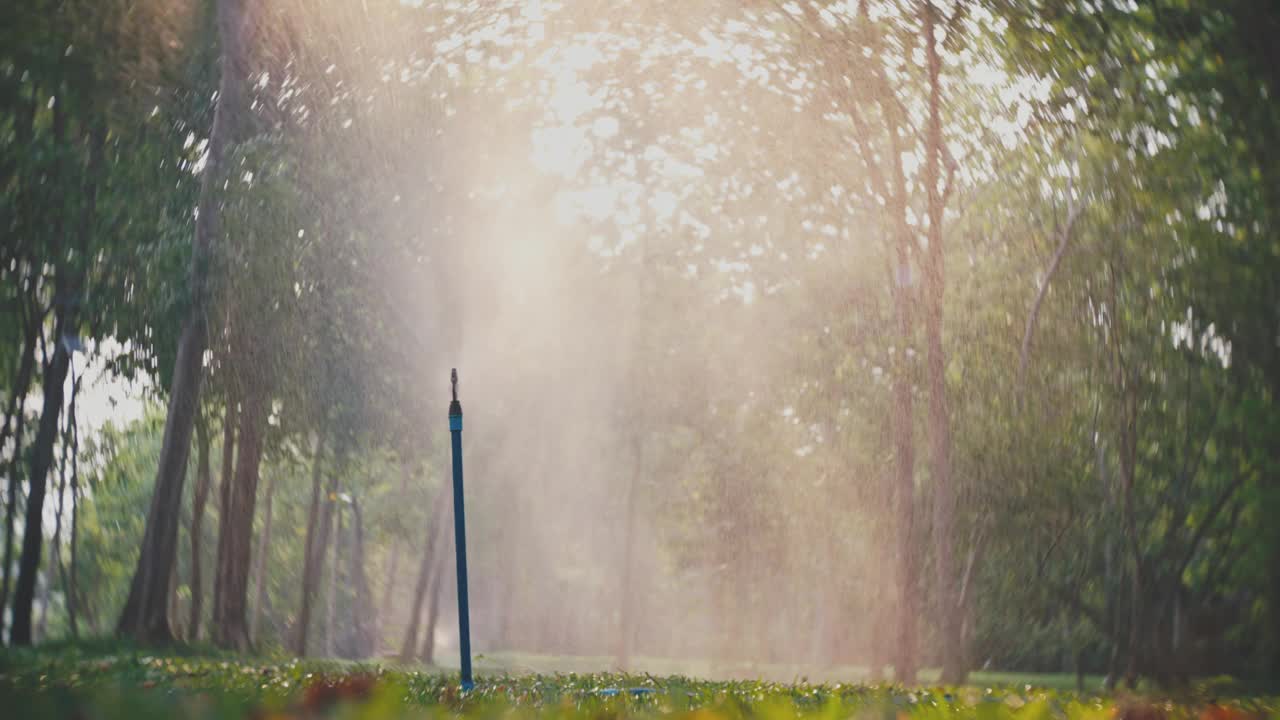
455, 407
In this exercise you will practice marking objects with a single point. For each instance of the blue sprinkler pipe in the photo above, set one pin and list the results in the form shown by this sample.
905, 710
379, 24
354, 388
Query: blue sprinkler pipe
460, 535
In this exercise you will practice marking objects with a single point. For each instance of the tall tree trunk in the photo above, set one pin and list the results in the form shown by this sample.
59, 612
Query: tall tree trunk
55, 376
328, 512
1074, 210
361, 607
428, 655
54, 571
198, 502
173, 598
97, 138
45, 599
86, 615
968, 584
15, 474
901, 418
1110, 581
1271, 649
260, 572
231, 628
1273, 611
144, 615
56, 568
939, 418
32, 320
230, 421
388, 588
434, 533
311, 561
330, 621
627, 605
66, 292
15, 421
72, 582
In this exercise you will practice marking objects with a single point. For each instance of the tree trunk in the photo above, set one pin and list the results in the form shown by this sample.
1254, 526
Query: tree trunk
70, 581
1273, 611
626, 620
388, 588
361, 607
964, 601
203, 481
311, 560
434, 532
428, 655
260, 572
56, 568
73, 585
54, 571
44, 599
66, 293
939, 418
901, 418
144, 615
15, 421
330, 645
231, 629
86, 613
173, 598
230, 421
1064, 240
1272, 617
55, 376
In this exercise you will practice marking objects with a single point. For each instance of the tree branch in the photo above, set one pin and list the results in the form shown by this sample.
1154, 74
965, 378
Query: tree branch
1064, 240
1208, 521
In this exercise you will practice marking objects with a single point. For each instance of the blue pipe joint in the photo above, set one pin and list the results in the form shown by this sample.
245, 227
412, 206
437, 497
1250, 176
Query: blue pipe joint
455, 421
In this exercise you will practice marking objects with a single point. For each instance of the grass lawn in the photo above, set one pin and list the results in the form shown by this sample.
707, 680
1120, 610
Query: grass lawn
524, 663
110, 681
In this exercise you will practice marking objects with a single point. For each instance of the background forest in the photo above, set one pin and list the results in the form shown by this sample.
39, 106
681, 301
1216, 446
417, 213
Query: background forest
853, 337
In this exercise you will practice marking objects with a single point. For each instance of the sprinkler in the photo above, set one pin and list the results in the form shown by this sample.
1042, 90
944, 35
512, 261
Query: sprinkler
460, 534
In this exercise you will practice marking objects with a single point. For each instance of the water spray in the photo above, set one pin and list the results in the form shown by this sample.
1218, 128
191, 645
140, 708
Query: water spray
460, 535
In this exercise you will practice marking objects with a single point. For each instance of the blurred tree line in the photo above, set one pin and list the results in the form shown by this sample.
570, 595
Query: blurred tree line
879, 333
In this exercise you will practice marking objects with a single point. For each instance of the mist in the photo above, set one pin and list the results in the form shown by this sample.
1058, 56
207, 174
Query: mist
590, 219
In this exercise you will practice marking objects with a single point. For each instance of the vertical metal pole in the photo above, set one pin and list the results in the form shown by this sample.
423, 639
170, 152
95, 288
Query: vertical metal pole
460, 534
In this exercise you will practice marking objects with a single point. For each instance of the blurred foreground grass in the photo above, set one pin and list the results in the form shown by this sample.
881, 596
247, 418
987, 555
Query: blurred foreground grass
110, 681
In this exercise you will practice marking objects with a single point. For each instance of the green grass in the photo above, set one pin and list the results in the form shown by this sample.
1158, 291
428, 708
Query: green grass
526, 663
113, 681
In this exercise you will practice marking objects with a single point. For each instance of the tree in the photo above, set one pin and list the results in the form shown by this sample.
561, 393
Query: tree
430, 551
145, 614
203, 482
15, 417
317, 536
260, 564
230, 619
937, 189
69, 281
